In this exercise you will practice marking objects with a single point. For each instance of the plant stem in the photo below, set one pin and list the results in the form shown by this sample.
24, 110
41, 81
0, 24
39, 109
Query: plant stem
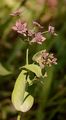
18, 117
44, 32
27, 56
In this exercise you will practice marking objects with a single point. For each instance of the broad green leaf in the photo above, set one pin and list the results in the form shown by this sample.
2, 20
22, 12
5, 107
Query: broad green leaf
19, 90
21, 99
3, 71
34, 68
27, 104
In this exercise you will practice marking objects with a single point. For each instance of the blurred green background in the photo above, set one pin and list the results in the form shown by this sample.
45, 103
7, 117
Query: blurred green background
50, 98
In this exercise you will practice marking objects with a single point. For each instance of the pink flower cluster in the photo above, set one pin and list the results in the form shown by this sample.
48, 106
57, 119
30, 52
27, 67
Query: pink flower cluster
36, 37
21, 27
44, 58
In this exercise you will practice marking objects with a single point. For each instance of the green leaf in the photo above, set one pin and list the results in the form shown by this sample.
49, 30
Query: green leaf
34, 68
27, 104
3, 71
21, 99
19, 90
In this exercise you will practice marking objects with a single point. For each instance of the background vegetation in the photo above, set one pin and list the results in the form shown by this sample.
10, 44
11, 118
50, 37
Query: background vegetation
50, 100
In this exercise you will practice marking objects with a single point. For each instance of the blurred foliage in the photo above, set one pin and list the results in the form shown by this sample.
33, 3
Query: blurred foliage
50, 100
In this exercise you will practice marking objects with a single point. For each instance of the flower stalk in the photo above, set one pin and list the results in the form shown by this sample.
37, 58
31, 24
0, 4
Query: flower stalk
27, 56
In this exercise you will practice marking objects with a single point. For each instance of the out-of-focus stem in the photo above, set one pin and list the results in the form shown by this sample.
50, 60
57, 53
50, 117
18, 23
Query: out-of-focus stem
27, 56
44, 32
18, 117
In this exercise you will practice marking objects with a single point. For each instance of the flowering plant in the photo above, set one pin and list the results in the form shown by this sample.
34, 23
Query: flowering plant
22, 99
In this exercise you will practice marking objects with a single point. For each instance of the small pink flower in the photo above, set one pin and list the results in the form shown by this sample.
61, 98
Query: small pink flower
38, 38
51, 30
20, 27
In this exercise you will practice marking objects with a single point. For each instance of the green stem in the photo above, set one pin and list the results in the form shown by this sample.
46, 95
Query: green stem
44, 32
18, 117
27, 56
